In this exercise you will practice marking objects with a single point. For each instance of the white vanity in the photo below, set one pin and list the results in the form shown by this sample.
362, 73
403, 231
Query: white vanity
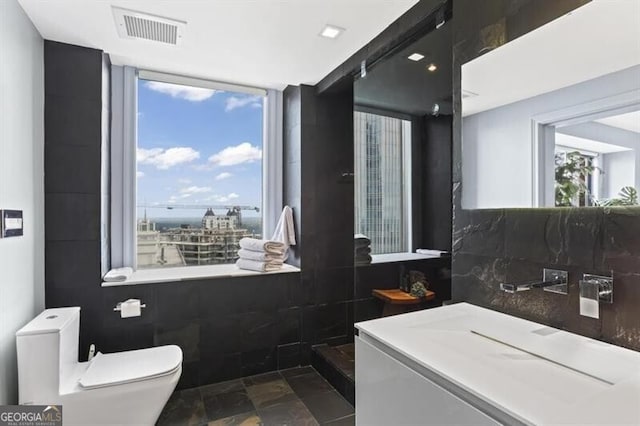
466, 365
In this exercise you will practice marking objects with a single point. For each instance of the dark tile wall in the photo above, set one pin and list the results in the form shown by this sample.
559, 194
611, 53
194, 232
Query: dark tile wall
493, 246
434, 170
227, 328
318, 146
73, 105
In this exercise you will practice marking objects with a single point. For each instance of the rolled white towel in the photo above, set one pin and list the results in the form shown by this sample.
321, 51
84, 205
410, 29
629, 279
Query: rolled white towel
254, 265
431, 252
118, 275
267, 246
260, 256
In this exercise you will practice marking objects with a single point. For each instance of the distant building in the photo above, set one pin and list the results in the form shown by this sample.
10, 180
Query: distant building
379, 176
216, 242
211, 221
151, 252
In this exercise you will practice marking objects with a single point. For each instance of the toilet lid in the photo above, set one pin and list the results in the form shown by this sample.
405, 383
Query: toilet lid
131, 366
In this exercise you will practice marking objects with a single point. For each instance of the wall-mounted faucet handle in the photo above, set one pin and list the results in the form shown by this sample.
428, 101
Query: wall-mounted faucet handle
559, 278
553, 280
594, 289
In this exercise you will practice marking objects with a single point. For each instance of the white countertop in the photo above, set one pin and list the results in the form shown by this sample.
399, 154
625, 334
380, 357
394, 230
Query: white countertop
536, 374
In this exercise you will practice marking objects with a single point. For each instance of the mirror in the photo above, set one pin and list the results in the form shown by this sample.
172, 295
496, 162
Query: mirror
552, 119
402, 176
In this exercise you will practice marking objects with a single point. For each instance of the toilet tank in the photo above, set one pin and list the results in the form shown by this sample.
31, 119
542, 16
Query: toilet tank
47, 352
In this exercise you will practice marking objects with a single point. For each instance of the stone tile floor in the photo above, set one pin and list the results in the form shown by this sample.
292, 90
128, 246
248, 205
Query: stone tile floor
297, 396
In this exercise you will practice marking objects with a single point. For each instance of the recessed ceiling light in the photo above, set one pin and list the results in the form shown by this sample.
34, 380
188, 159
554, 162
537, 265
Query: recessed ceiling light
331, 31
416, 57
432, 67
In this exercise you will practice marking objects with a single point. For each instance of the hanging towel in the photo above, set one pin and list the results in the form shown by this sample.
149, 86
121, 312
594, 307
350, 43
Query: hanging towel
285, 231
259, 256
254, 265
272, 247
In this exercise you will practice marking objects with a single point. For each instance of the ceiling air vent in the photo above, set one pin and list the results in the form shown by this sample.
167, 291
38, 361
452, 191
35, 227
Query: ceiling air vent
138, 25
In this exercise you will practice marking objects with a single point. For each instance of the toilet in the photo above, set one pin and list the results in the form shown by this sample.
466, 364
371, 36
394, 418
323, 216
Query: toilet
120, 388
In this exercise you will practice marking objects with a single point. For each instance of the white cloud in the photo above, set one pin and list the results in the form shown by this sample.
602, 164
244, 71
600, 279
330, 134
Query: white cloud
195, 190
227, 198
235, 102
175, 198
223, 175
223, 198
233, 155
184, 181
188, 93
139, 174
164, 159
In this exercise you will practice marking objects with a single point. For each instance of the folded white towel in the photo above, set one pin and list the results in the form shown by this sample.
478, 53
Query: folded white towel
254, 265
260, 256
285, 231
267, 246
361, 240
118, 275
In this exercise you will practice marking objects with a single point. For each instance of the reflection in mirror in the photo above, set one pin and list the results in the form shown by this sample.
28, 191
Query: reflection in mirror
401, 97
597, 162
402, 178
553, 118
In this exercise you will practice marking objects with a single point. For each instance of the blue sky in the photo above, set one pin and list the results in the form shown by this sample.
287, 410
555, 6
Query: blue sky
197, 146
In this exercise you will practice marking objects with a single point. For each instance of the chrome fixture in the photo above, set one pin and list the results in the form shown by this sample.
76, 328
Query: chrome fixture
553, 280
594, 289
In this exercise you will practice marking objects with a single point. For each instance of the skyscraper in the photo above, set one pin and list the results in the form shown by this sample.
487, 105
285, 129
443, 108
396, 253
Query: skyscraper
379, 176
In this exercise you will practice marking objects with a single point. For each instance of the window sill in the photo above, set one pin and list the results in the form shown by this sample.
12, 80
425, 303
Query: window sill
401, 257
162, 275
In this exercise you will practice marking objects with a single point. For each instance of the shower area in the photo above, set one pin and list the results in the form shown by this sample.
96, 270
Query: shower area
401, 179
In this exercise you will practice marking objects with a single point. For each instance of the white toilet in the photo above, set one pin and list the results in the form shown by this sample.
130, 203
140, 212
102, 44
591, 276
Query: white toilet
120, 388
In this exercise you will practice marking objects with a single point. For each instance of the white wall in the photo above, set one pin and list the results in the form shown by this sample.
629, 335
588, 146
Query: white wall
620, 171
21, 182
497, 145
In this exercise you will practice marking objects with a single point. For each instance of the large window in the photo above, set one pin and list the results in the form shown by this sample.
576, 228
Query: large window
199, 173
382, 181
193, 167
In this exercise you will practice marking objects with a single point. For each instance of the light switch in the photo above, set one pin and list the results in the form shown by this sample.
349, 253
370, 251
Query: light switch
11, 224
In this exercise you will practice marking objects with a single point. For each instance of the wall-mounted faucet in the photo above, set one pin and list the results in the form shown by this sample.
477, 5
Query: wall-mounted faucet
594, 289
553, 280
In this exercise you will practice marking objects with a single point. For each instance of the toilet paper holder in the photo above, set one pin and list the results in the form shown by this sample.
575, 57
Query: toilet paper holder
119, 306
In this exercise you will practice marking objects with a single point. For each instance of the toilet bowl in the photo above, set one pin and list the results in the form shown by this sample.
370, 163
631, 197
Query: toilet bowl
122, 388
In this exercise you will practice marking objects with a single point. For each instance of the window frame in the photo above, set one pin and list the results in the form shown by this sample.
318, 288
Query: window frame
123, 163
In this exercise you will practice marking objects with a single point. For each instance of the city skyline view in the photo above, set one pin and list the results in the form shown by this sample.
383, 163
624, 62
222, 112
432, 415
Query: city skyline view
197, 146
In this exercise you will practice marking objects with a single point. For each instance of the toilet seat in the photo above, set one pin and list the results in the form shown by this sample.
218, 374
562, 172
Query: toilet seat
131, 366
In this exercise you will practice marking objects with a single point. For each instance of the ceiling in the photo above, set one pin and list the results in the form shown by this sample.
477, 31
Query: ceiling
588, 144
598, 38
629, 121
400, 85
265, 43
